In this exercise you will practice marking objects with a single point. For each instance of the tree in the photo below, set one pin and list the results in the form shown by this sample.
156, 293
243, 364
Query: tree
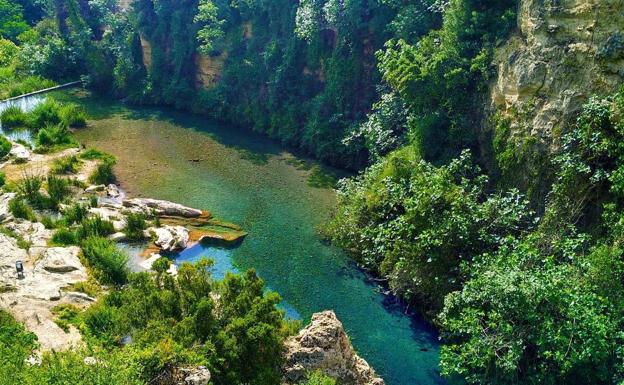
211, 26
12, 22
537, 313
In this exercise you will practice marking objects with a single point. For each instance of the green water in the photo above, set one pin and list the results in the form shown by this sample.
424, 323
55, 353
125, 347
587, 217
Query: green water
254, 182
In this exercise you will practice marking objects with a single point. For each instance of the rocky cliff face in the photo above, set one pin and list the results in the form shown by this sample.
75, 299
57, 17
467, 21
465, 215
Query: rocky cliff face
324, 345
208, 70
146, 50
566, 51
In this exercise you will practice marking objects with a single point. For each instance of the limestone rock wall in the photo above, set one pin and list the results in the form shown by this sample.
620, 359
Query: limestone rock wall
324, 345
208, 69
565, 52
146, 49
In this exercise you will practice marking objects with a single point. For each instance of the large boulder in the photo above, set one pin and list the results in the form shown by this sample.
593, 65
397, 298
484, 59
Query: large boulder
61, 259
170, 238
161, 207
20, 152
323, 345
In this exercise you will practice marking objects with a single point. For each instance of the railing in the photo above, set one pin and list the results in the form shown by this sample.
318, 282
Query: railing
42, 91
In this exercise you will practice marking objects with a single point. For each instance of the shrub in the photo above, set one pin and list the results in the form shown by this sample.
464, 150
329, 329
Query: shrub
318, 378
66, 165
64, 236
29, 187
21, 209
5, 146
94, 227
2, 179
135, 226
58, 190
13, 116
416, 224
66, 314
75, 213
48, 222
104, 173
109, 262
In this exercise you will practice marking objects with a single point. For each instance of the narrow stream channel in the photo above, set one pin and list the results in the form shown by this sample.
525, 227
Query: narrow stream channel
252, 181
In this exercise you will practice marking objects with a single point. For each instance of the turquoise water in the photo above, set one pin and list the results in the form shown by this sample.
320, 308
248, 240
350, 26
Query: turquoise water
254, 182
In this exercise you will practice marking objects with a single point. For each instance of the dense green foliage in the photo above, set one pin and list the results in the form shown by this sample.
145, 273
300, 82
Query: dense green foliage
417, 224
172, 323
524, 302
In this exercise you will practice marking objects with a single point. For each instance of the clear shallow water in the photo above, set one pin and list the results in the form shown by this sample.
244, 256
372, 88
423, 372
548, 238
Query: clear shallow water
26, 104
252, 181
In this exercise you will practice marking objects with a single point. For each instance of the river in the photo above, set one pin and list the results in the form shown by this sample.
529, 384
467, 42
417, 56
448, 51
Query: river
254, 182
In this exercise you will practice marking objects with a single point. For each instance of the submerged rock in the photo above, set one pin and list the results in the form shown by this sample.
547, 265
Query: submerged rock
324, 345
161, 207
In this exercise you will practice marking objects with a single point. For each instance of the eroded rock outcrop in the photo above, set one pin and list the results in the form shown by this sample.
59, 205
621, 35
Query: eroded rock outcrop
566, 51
324, 345
170, 238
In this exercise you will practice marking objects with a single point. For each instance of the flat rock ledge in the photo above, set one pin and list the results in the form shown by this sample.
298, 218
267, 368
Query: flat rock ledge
161, 207
323, 345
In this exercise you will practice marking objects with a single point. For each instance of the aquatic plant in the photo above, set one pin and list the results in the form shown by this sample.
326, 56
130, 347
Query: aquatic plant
57, 136
12, 117
103, 174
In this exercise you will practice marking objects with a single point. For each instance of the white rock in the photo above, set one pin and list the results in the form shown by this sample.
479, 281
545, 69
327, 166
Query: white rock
20, 152
323, 345
196, 376
161, 207
77, 297
95, 188
147, 264
61, 260
170, 238
112, 191
118, 237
